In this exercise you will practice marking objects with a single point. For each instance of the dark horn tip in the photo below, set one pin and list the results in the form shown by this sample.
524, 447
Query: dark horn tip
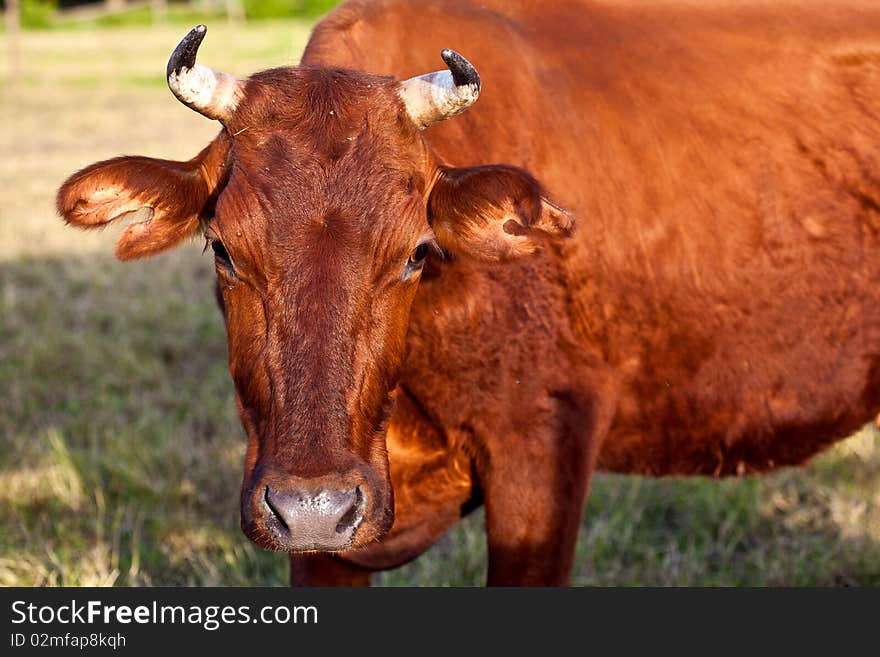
184, 55
463, 72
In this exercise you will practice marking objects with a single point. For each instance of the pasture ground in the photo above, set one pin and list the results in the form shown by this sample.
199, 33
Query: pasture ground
120, 448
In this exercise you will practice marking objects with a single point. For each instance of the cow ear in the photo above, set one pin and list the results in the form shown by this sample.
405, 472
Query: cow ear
168, 200
493, 213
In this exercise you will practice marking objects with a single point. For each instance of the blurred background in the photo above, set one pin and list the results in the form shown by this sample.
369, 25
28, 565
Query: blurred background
120, 448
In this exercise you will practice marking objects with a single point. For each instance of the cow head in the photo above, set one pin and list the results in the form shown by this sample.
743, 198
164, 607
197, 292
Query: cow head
322, 203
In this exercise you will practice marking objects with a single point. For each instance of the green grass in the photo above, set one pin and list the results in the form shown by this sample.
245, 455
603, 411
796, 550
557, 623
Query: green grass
43, 14
120, 449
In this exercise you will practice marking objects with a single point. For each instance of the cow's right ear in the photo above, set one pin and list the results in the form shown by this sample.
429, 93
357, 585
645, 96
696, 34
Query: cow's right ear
493, 213
175, 198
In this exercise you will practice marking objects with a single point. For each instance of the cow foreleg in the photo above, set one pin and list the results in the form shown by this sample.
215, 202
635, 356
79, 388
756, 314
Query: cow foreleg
319, 569
535, 484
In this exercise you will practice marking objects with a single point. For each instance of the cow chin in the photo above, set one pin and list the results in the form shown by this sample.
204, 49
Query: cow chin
341, 510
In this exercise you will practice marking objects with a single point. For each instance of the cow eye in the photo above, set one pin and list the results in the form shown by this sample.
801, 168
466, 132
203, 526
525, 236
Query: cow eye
221, 255
417, 258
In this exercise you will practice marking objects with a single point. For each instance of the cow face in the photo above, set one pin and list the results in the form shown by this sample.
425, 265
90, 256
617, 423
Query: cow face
322, 203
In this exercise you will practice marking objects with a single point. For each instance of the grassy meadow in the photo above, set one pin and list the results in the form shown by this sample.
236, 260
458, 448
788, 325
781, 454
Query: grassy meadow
120, 448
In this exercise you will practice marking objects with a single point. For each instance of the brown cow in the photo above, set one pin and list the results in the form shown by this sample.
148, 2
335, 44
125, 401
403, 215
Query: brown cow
413, 332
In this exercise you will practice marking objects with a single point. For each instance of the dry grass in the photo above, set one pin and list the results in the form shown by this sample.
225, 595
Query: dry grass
120, 450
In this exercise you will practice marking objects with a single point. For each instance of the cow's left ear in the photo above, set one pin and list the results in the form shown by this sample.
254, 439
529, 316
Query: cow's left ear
493, 213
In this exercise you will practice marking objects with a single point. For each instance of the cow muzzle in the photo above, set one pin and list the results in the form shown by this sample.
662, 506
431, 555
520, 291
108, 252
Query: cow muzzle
300, 515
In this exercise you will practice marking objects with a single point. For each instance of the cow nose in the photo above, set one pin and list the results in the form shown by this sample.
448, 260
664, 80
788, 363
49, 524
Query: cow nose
314, 520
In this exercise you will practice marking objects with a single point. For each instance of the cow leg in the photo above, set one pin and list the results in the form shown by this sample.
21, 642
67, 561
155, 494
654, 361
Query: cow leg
535, 485
319, 569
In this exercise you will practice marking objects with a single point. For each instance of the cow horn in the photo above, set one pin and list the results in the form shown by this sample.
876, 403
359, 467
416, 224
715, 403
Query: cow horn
212, 93
440, 95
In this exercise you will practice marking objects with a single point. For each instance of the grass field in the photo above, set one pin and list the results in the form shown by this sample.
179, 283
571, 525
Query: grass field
120, 448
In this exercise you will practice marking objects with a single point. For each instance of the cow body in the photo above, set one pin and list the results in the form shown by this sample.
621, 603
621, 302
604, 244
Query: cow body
719, 294
715, 311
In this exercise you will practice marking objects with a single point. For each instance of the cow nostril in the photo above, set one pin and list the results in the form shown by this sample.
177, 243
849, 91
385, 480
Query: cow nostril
352, 517
278, 515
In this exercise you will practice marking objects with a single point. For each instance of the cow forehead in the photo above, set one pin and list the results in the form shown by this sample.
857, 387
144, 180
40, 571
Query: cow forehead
324, 155
315, 101
358, 182
325, 133
288, 208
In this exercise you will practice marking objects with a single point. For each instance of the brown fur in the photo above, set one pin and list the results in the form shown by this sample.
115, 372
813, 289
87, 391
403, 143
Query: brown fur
715, 311
178, 197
